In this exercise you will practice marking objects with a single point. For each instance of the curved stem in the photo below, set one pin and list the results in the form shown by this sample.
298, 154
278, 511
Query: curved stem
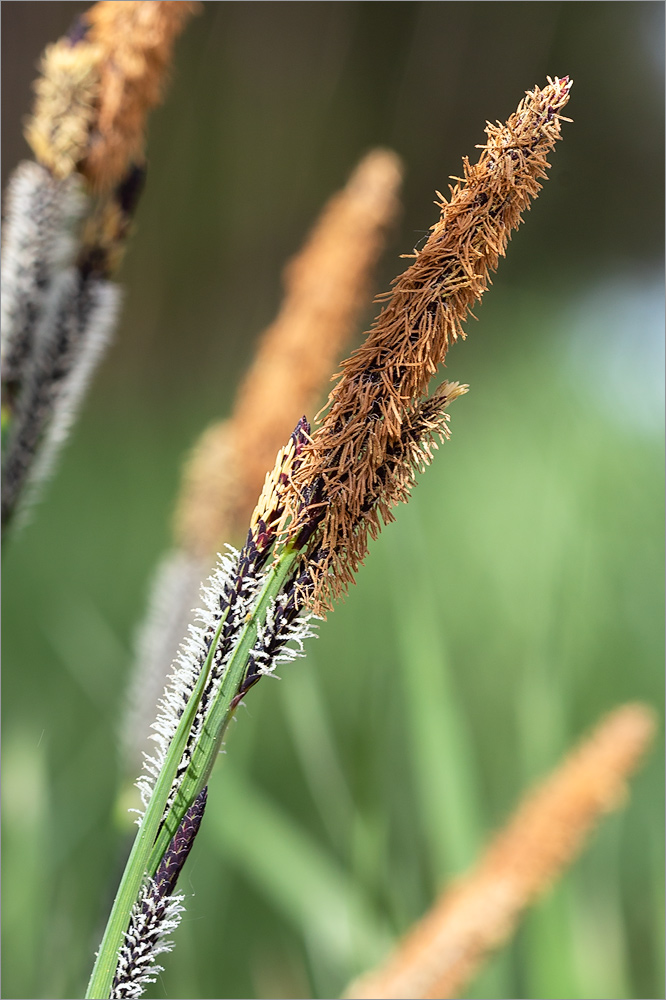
205, 752
101, 978
156, 831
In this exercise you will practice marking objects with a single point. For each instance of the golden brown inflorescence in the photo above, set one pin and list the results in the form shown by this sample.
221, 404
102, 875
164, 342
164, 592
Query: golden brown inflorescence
66, 94
326, 286
97, 86
478, 913
382, 384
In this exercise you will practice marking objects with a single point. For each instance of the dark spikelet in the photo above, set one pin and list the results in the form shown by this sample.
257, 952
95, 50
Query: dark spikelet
156, 913
175, 856
381, 385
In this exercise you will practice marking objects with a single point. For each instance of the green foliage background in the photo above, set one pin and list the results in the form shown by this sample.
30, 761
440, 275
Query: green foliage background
516, 598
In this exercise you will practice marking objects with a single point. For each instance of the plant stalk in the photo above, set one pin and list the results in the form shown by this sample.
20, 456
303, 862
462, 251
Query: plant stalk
155, 833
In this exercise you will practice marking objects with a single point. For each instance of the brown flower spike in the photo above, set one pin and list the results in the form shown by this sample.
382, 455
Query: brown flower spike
382, 384
479, 912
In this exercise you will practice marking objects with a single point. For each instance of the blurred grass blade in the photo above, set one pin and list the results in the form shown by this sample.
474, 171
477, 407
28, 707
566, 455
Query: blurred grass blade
314, 743
284, 863
440, 742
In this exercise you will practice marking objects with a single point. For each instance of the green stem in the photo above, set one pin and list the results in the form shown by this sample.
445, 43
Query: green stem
154, 835
101, 978
208, 746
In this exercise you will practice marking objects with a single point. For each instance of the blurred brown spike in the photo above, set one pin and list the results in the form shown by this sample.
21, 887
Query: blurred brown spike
326, 286
386, 377
209, 492
477, 914
136, 41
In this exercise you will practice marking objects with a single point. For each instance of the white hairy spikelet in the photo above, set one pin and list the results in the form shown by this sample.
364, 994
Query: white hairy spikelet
288, 636
277, 641
38, 243
171, 609
186, 667
153, 918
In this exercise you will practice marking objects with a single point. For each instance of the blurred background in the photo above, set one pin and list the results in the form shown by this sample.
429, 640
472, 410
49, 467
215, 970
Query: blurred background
517, 597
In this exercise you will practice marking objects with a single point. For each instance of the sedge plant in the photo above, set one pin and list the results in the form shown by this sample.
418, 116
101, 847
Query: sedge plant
330, 491
67, 219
